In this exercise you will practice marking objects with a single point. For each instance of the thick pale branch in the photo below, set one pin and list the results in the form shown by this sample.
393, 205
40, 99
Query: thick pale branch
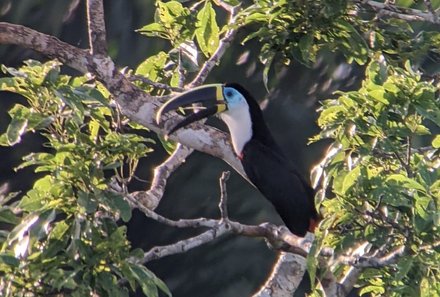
96, 24
334, 288
285, 277
47, 45
349, 279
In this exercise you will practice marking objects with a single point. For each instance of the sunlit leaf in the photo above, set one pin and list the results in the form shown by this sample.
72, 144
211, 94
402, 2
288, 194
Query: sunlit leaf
207, 32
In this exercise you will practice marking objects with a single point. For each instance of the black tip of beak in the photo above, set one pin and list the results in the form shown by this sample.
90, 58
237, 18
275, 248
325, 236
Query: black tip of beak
209, 97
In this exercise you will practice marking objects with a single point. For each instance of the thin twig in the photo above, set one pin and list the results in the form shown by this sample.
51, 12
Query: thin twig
185, 245
430, 247
379, 215
182, 223
408, 156
403, 163
223, 205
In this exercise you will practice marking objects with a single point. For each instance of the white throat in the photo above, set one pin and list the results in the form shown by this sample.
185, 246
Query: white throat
238, 120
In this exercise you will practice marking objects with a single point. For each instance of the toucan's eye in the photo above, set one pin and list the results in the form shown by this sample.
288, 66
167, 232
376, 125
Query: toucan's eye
228, 94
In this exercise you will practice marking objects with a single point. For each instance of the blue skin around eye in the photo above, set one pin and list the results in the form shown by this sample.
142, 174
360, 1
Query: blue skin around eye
232, 97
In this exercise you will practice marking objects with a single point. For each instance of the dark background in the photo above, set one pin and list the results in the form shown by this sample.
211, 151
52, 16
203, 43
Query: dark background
229, 266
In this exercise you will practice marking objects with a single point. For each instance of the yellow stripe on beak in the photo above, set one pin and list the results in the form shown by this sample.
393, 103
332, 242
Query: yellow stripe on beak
219, 92
219, 95
221, 107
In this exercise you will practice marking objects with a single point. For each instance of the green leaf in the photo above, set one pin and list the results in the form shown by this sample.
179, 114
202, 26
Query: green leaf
170, 10
18, 125
376, 290
7, 216
9, 260
436, 141
404, 266
424, 217
378, 95
207, 32
119, 204
162, 286
305, 47
429, 288
59, 230
430, 112
145, 279
168, 145
267, 65
32, 201
407, 182
154, 30
312, 261
87, 201
152, 67
350, 179
94, 130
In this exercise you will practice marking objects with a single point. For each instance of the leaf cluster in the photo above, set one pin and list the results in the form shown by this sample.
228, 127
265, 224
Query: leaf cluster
62, 235
189, 31
382, 176
299, 30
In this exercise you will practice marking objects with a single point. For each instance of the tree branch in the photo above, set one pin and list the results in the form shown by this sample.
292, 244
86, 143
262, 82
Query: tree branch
151, 198
289, 269
96, 24
285, 277
431, 10
341, 288
48, 45
407, 14
224, 196
278, 236
375, 262
185, 245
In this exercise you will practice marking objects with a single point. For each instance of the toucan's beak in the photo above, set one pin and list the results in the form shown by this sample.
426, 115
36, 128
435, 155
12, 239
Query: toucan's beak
210, 97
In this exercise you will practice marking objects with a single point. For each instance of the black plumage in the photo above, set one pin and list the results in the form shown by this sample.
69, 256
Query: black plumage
274, 176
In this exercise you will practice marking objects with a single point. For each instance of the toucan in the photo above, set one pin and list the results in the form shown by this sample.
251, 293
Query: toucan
263, 161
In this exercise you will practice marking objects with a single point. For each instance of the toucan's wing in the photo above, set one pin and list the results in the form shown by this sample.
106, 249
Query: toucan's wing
281, 184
